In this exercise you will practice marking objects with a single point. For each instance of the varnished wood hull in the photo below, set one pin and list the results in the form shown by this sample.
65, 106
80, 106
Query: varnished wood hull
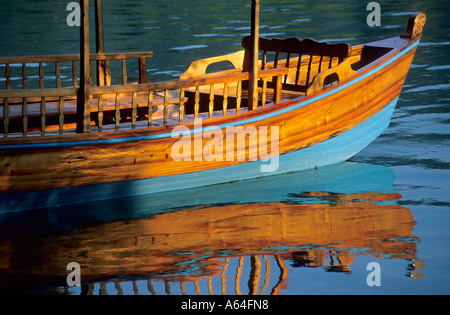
321, 129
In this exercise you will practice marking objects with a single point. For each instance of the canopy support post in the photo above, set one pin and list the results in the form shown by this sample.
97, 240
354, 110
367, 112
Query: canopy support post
99, 42
253, 82
83, 102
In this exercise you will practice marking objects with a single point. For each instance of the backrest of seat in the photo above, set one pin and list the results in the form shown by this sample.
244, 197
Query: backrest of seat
295, 46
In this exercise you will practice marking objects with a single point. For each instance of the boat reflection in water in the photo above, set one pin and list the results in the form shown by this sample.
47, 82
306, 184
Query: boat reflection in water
236, 238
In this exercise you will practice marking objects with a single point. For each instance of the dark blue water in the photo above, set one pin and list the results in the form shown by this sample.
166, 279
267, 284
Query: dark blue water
394, 196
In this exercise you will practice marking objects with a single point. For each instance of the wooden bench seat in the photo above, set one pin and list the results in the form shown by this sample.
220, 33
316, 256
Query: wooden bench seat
308, 57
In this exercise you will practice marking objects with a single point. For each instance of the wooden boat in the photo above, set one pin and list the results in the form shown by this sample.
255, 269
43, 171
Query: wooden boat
318, 103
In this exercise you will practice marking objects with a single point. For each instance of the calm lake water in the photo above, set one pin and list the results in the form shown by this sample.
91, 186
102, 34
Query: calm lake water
310, 232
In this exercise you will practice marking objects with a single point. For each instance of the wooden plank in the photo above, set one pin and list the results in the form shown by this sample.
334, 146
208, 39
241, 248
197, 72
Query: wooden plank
75, 57
38, 93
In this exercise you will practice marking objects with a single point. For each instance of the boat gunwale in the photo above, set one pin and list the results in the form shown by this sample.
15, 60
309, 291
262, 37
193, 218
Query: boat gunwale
141, 134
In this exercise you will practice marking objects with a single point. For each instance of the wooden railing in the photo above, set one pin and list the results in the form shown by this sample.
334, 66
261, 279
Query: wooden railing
103, 68
124, 105
28, 90
177, 88
142, 104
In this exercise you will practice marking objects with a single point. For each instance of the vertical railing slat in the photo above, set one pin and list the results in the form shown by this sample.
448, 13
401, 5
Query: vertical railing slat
225, 99
107, 72
150, 108
91, 73
197, 102
142, 70
181, 108
41, 76
25, 100
5, 117
320, 64
100, 112
308, 74
8, 77
24, 76
287, 66
74, 74
25, 115
238, 97
166, 107
133, 109
211, 101
297, 73
124, 72
61, 114
264, 92
277, 89
117, 115
43, 114
58, 75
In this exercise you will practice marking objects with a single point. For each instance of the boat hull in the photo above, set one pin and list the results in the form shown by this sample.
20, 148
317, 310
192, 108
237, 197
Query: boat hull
331, 151
324, 128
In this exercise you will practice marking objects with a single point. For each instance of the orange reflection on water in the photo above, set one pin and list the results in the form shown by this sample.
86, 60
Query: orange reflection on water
192, 244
